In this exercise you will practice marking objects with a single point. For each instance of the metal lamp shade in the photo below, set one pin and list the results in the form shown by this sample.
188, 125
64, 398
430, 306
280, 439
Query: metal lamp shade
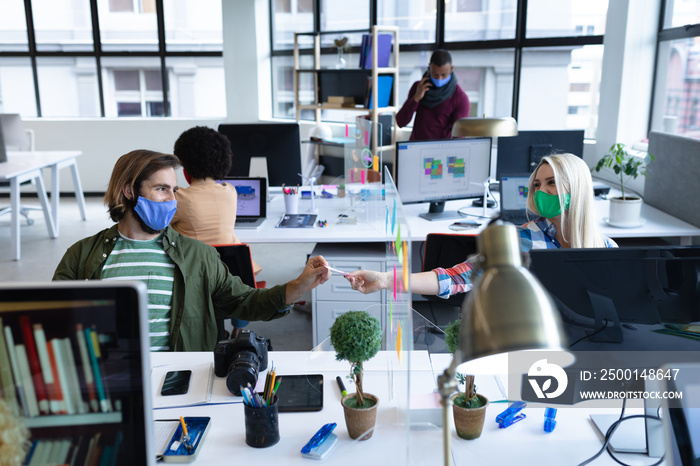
484, 127
508, 309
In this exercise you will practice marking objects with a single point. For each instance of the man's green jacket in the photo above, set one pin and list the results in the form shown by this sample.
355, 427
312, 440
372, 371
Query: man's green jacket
203, 290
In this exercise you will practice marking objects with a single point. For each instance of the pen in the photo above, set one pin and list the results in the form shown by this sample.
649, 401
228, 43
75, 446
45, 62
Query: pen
277, 385
184, 427
343, 391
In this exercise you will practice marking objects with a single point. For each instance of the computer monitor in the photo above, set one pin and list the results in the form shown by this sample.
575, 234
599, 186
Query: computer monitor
75, 368
626, 311
269, 150
438, 171
14, 134
522, 153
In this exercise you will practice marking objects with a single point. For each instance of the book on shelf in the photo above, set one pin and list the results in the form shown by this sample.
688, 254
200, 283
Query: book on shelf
47, 372
93, 348
56, 345
7, 382
88, 375
32, 406
384, 46
25, 327
58, 399
74, 387
385, 84
19, 387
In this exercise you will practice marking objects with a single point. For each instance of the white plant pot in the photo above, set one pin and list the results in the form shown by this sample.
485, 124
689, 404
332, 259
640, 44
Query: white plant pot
625, 212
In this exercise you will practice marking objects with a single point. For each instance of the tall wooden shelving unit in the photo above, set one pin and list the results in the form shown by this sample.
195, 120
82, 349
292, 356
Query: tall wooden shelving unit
376, 71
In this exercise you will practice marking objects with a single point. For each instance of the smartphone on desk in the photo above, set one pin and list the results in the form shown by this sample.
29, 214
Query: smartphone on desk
176, 383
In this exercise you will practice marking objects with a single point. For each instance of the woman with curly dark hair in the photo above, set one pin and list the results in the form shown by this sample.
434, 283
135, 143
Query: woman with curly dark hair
206, 210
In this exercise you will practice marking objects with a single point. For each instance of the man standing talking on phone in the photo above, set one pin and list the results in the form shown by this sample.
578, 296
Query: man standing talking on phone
437, 101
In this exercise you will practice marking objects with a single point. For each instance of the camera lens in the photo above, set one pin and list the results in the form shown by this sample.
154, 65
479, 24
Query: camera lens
242, 371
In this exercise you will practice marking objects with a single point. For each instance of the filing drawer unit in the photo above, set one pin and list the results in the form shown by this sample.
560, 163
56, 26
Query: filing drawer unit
336, 296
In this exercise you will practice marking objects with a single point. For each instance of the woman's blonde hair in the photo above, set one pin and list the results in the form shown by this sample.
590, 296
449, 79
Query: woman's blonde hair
578, 222
131, 170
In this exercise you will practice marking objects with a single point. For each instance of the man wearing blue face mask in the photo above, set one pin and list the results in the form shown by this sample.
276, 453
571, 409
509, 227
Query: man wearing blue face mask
188, 285
436, 100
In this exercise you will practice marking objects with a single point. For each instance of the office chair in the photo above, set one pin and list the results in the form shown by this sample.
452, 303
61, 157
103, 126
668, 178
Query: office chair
239, 261
446, 250
15, 137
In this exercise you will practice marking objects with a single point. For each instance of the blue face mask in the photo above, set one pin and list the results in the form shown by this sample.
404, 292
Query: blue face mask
156, 215
440, 82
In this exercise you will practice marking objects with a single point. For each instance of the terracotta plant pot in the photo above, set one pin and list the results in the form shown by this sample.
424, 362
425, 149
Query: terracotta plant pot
469, 422
341, 192
360, 420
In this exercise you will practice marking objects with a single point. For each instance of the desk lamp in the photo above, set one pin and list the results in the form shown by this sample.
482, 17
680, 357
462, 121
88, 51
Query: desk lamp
507, 310
484, 127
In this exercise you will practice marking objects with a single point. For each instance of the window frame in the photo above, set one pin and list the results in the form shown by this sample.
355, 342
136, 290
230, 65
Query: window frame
32, 53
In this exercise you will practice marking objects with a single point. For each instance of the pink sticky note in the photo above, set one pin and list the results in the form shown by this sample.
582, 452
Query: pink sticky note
394, 283
366, 138
362, 176
347, 131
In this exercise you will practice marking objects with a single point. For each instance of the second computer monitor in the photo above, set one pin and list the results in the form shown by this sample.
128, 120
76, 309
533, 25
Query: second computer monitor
277, 143
437, 171
522, 153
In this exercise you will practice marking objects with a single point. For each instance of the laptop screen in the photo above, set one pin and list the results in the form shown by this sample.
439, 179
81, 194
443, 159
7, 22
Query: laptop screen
75, 369
514, 192
252, 198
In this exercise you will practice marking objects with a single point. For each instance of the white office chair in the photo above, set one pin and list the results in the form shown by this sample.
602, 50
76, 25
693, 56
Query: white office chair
15, 137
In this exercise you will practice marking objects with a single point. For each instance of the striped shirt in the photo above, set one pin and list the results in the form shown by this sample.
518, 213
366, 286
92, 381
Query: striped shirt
146, 261
537, 234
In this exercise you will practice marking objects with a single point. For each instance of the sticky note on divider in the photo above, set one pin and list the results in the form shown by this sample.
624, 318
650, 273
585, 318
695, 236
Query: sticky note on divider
375, 163
405, 266
394, 283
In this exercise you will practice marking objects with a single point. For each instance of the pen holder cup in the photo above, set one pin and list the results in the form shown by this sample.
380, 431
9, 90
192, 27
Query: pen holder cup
262, 425
291, 203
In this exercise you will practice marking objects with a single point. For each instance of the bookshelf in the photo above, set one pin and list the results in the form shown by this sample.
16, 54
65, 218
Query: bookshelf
373, 74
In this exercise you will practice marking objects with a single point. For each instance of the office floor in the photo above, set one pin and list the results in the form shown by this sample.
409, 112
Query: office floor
40, 255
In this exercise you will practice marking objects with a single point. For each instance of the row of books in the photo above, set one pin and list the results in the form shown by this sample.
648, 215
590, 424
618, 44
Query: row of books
85, 450
55, 376
384, 46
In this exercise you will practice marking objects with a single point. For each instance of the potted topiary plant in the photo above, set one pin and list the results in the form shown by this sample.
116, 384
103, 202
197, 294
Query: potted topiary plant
357, 337
468, 407
341, 190
625, 210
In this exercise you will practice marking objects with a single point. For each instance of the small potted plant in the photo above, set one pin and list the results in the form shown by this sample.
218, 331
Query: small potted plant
468, 407
625, 210
357, 337
341, 190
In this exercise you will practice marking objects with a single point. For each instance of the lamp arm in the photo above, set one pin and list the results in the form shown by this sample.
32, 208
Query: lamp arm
446, 386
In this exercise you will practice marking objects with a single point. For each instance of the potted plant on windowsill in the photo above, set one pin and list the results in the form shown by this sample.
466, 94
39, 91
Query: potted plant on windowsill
468, 407
625, 210
357, 337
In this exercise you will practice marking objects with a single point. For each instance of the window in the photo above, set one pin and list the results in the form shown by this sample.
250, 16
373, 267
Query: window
123, 74
677, 91
557, 52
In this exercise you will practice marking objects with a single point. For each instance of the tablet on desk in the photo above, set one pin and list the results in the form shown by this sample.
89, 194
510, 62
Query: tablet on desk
300, 393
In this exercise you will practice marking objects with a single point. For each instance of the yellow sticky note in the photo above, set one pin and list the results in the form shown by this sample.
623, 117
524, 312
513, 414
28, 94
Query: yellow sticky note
375, 163
398, 342
405, 266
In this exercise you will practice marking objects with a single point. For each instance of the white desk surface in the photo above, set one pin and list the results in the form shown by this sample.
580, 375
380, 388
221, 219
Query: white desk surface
19, 163
573, 440
657, 223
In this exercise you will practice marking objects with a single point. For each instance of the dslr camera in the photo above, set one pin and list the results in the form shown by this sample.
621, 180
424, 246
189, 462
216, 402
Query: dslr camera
240, 360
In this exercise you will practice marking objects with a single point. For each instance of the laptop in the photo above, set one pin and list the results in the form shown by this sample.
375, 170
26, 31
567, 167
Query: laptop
514, 198
252, 200
95, 336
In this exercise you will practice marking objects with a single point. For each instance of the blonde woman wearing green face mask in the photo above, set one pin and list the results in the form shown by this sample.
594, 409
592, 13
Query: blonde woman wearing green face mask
560, 193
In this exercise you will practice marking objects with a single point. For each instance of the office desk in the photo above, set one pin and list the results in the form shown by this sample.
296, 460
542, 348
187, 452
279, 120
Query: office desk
524, 443
25, 166
657, 223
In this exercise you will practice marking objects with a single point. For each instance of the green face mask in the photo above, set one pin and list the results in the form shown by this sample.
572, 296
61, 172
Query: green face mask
548, 204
